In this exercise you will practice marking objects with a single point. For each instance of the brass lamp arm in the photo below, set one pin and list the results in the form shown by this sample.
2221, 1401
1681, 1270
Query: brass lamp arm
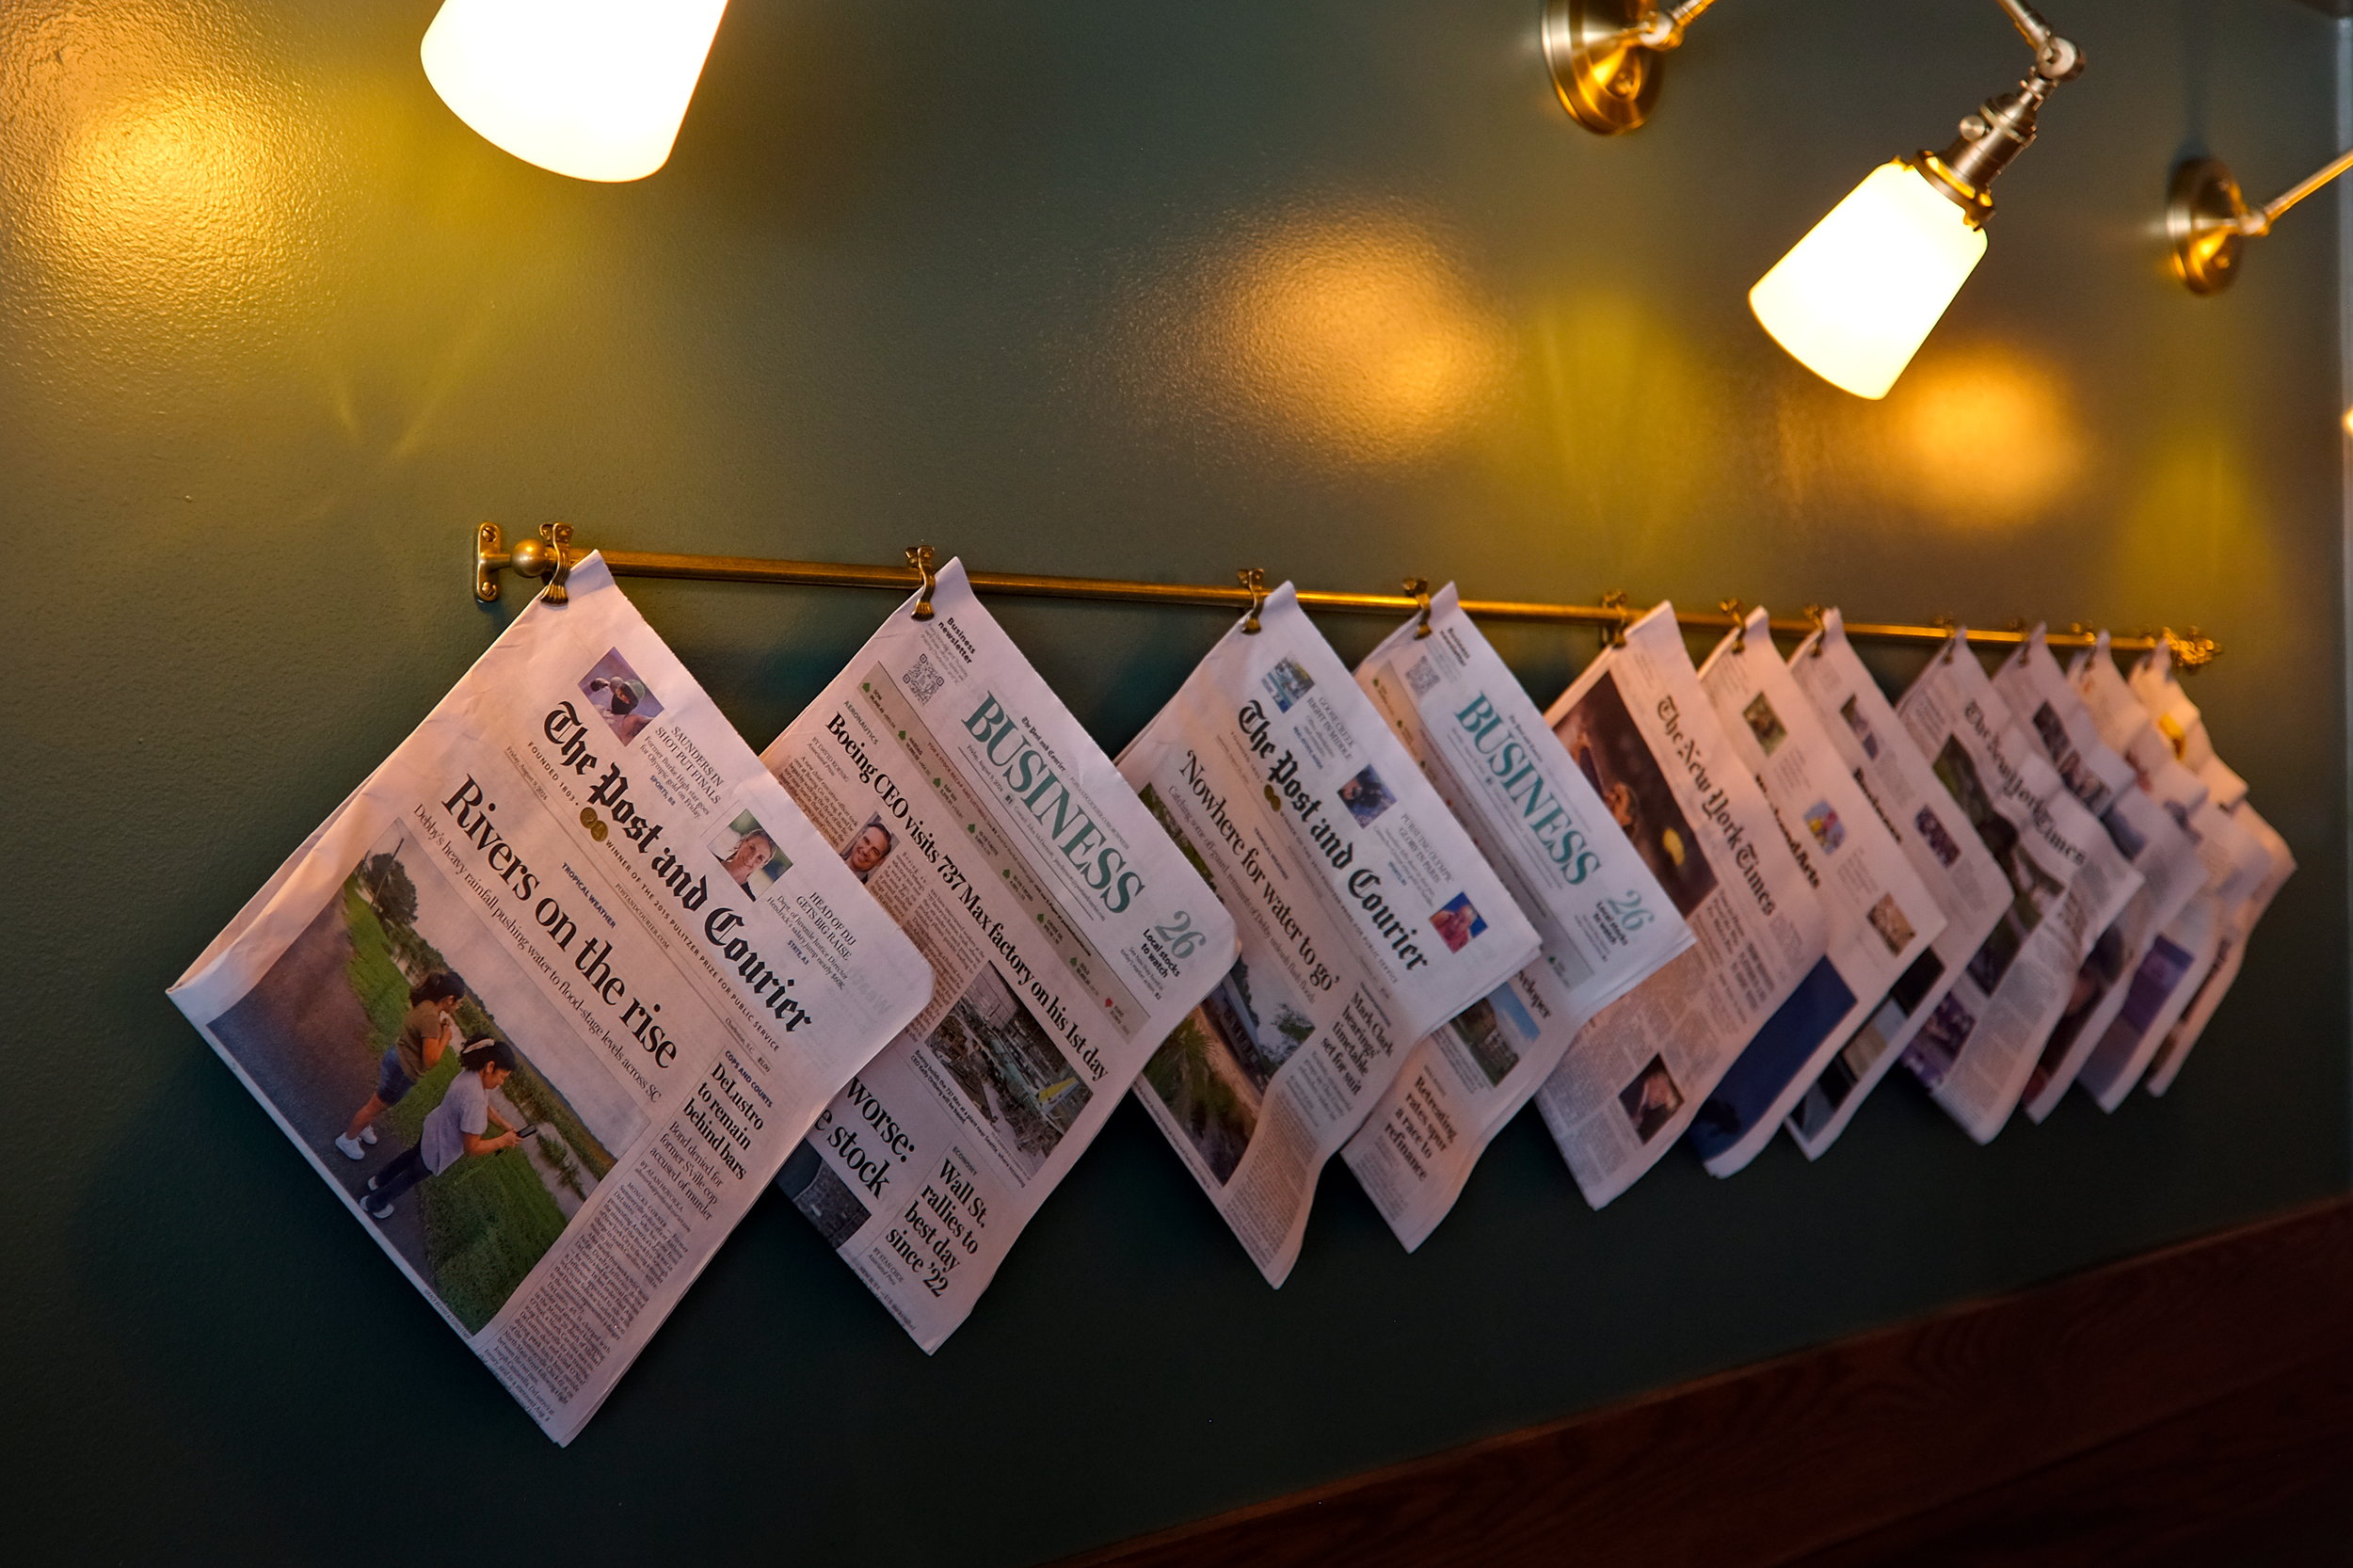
2258, 220
2055, 58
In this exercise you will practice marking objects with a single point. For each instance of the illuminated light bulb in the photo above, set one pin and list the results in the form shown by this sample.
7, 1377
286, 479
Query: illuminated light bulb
1853, 300
592, 89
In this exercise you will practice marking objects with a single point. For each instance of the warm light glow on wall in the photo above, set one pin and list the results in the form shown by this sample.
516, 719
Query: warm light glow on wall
1984, 439
593, 89
1855, 297
1356, 335
170, 202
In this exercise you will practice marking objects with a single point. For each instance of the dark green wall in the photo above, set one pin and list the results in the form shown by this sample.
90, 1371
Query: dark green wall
1328, 285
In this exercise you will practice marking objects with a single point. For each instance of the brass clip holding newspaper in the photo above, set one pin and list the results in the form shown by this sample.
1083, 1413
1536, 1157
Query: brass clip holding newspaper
1738, 613
1253, 584
1954, 636
919, 557
1813, 614
1615, 599
2191, 650
1418, 589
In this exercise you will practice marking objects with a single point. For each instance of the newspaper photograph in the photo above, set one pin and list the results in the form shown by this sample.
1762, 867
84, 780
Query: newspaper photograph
1879, 917
2066, 885
2147, 832
550, 997
1605, 924
1367, 918
1065, 934
2238, 925
1638, 725
1959, 874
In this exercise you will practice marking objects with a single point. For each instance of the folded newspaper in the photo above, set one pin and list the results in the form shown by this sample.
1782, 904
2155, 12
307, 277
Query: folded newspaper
2179, 721
550, 997
1646, 736
1945, 849
2145, 833
1879, 916
1066, 938
1367, 918
2238, 924
1607, 924
2066, 885
2231, 861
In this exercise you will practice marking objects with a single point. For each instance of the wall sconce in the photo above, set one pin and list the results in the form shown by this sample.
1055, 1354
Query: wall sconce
1854, 300
2206, 219
1605, 57
592, 89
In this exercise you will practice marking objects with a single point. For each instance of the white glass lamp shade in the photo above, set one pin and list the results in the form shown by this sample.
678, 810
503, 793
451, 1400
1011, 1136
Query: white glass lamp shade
593, 89
1855, 297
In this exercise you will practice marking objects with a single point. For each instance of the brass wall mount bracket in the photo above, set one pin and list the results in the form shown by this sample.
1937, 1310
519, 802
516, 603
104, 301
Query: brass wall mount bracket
549, 557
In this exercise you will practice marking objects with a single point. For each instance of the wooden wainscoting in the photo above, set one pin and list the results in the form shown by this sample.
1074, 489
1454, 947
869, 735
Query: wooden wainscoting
2190, 1406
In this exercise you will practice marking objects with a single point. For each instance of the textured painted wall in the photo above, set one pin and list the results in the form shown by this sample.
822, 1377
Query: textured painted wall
1326, 286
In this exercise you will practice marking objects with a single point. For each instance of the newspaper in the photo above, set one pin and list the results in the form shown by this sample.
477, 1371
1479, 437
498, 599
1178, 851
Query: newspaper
1961, 874
549, 998
1632, 1082
2181, 724
2066, 885
2230, 858
1605, 924
1367, 918
1067, 937
2145, 831
2238, 924
1880, 919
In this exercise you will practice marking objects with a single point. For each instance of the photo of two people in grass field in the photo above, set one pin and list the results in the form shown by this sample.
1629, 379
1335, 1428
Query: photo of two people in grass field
402, 1043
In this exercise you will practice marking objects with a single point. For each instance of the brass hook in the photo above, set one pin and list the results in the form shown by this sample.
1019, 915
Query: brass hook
2191, 650
1253, 584
1740, 614
1418, 589
557, 536
919, 557
1615, 599
1951, 628
1814, 618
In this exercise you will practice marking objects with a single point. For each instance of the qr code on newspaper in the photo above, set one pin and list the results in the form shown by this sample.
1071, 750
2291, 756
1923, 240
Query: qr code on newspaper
1420, 676
922, 681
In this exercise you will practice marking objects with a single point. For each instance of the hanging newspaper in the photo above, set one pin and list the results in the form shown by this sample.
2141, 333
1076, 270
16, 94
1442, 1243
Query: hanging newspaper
2066, 885
2142, 830
1960, 875
1605, 924
1646, 736
1367, 918
2182, 726
2231, 860
2179, 721
2238, 924
1879, 917
1067, 937
550, 996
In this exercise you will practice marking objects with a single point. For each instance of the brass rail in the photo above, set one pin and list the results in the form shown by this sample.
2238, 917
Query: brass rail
552, 555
